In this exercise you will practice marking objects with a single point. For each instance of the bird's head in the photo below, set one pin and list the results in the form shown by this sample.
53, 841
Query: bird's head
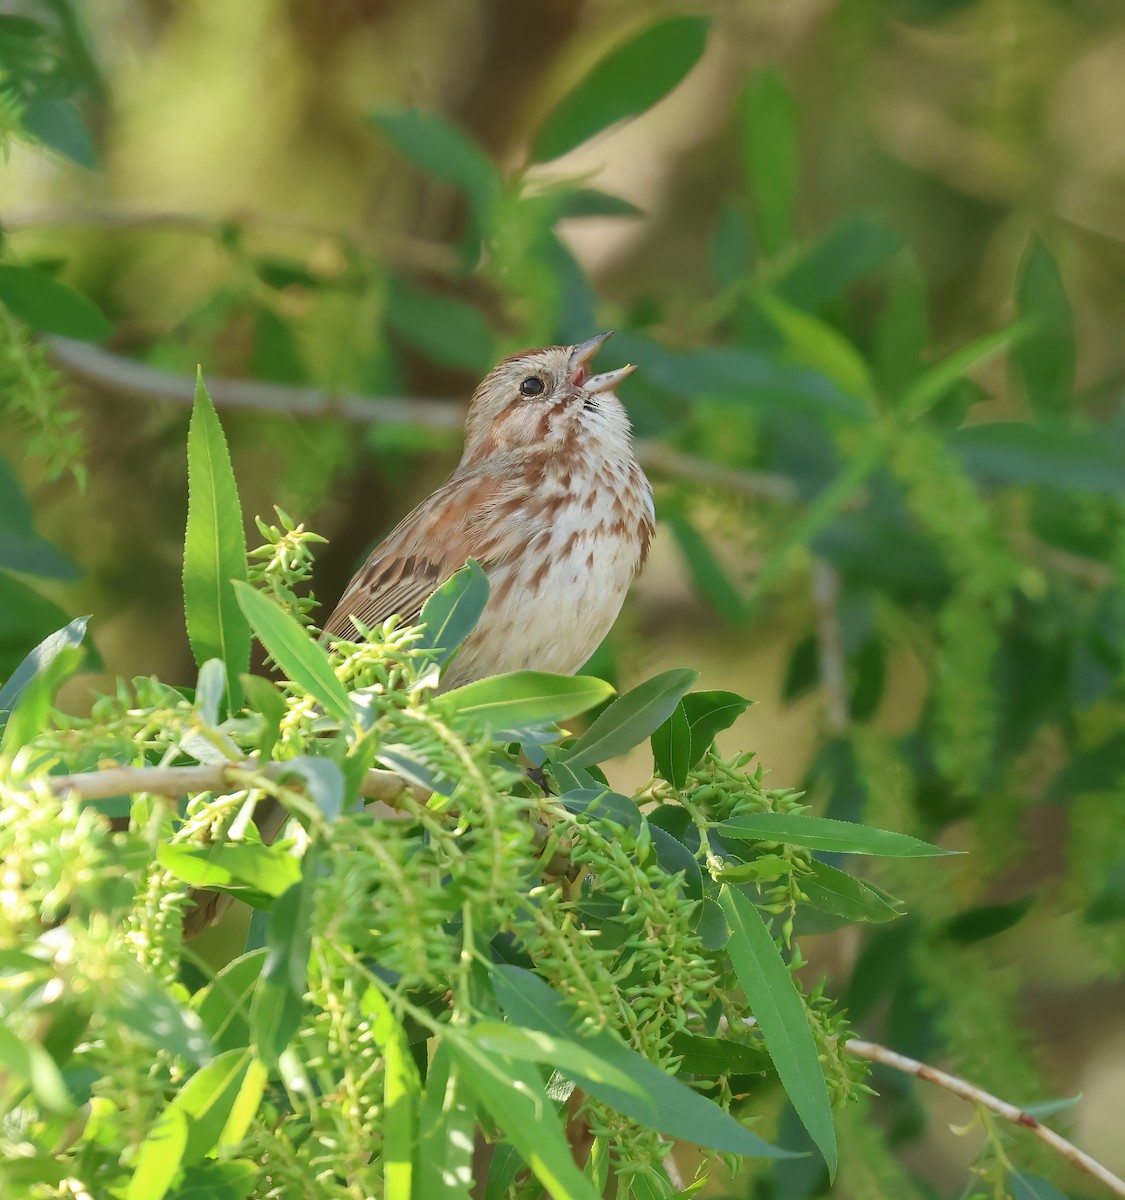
539, 397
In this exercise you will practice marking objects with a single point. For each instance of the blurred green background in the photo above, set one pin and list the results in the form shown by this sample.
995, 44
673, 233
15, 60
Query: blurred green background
870, 257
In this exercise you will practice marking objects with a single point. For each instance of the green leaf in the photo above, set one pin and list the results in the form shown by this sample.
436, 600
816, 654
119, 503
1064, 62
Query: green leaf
624, 84
1044, 364
711, 1057
671, 748
69, 637
276, 1009
675, 857
224, 1004
31, 1063
142, 1004
933, 383
847, 251
631, 718
903, 330
665, 1103
842, 895
444, 151
588, 202
513, 1095
602, 804
448, 331
214, 548
266, 869
707, 573
218, 1179
814, 343
452, 612
987, 920
780, 1012
402, 1092
1033, 1187
526, 698
770, 156
21, 548
263, 698
1067, 458
824, 833
190, 1126
32, 710
444, 1169
324, 781
290, 646
708, 714
49, 306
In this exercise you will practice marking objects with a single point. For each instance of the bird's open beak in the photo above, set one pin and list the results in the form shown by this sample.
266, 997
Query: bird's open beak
580, 358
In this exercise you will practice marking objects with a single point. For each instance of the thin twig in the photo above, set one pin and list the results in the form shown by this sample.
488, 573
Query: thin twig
398, 250
873, 1052
206, 777
830, 640
104, 371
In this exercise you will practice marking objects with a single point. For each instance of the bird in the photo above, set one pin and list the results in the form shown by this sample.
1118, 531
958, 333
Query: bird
550, 500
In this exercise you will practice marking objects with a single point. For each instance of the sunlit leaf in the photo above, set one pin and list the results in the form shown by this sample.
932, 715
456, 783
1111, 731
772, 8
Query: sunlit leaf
214, 548
526, 698
70, 636
294, 651
630, 718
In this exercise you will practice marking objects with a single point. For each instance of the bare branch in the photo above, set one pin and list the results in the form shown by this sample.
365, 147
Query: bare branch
399, 250
104, 371
873, 1052
182, 781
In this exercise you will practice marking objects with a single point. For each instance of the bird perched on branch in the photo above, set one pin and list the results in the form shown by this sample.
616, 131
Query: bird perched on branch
548, 498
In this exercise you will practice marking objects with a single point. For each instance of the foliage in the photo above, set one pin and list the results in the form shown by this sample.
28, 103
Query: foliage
937, 541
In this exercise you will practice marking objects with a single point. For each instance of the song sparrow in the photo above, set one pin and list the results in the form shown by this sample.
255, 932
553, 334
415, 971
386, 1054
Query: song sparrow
548, 498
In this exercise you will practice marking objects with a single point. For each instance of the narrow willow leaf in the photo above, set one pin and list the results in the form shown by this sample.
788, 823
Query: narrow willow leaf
824, 833
513, 1095
780, 1012
667, 1104
842, 895
711, 1057
267, 869
448, 331
707, 573
671, 748
445, 152
49, 306
1044, 364
141, 1002
402, 1092
708, 714
1065, 458
323, 780
224, 1004
189, 1126
848, 250
624, 84
214, 548
903, 329
526, 698
263, 698
70, 636
293, 649
770, 156
599, 803
452, 612
34, 1066
816, 344
631, 718
932, 384
444, 1166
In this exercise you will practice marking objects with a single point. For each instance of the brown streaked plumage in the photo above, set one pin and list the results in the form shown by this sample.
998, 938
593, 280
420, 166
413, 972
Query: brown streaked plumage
548, 498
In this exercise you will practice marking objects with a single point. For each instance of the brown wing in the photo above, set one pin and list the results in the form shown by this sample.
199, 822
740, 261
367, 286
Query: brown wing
457, 522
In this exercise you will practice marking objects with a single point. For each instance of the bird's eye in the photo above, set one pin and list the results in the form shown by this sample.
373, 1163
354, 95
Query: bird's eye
531, 386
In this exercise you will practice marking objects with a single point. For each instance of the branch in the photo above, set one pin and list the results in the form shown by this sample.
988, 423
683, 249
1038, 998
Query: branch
398, 250
182, 781
104, 371
873, 1052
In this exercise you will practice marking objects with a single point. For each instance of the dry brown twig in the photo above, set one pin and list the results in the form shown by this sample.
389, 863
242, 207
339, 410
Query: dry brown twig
874, 1052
